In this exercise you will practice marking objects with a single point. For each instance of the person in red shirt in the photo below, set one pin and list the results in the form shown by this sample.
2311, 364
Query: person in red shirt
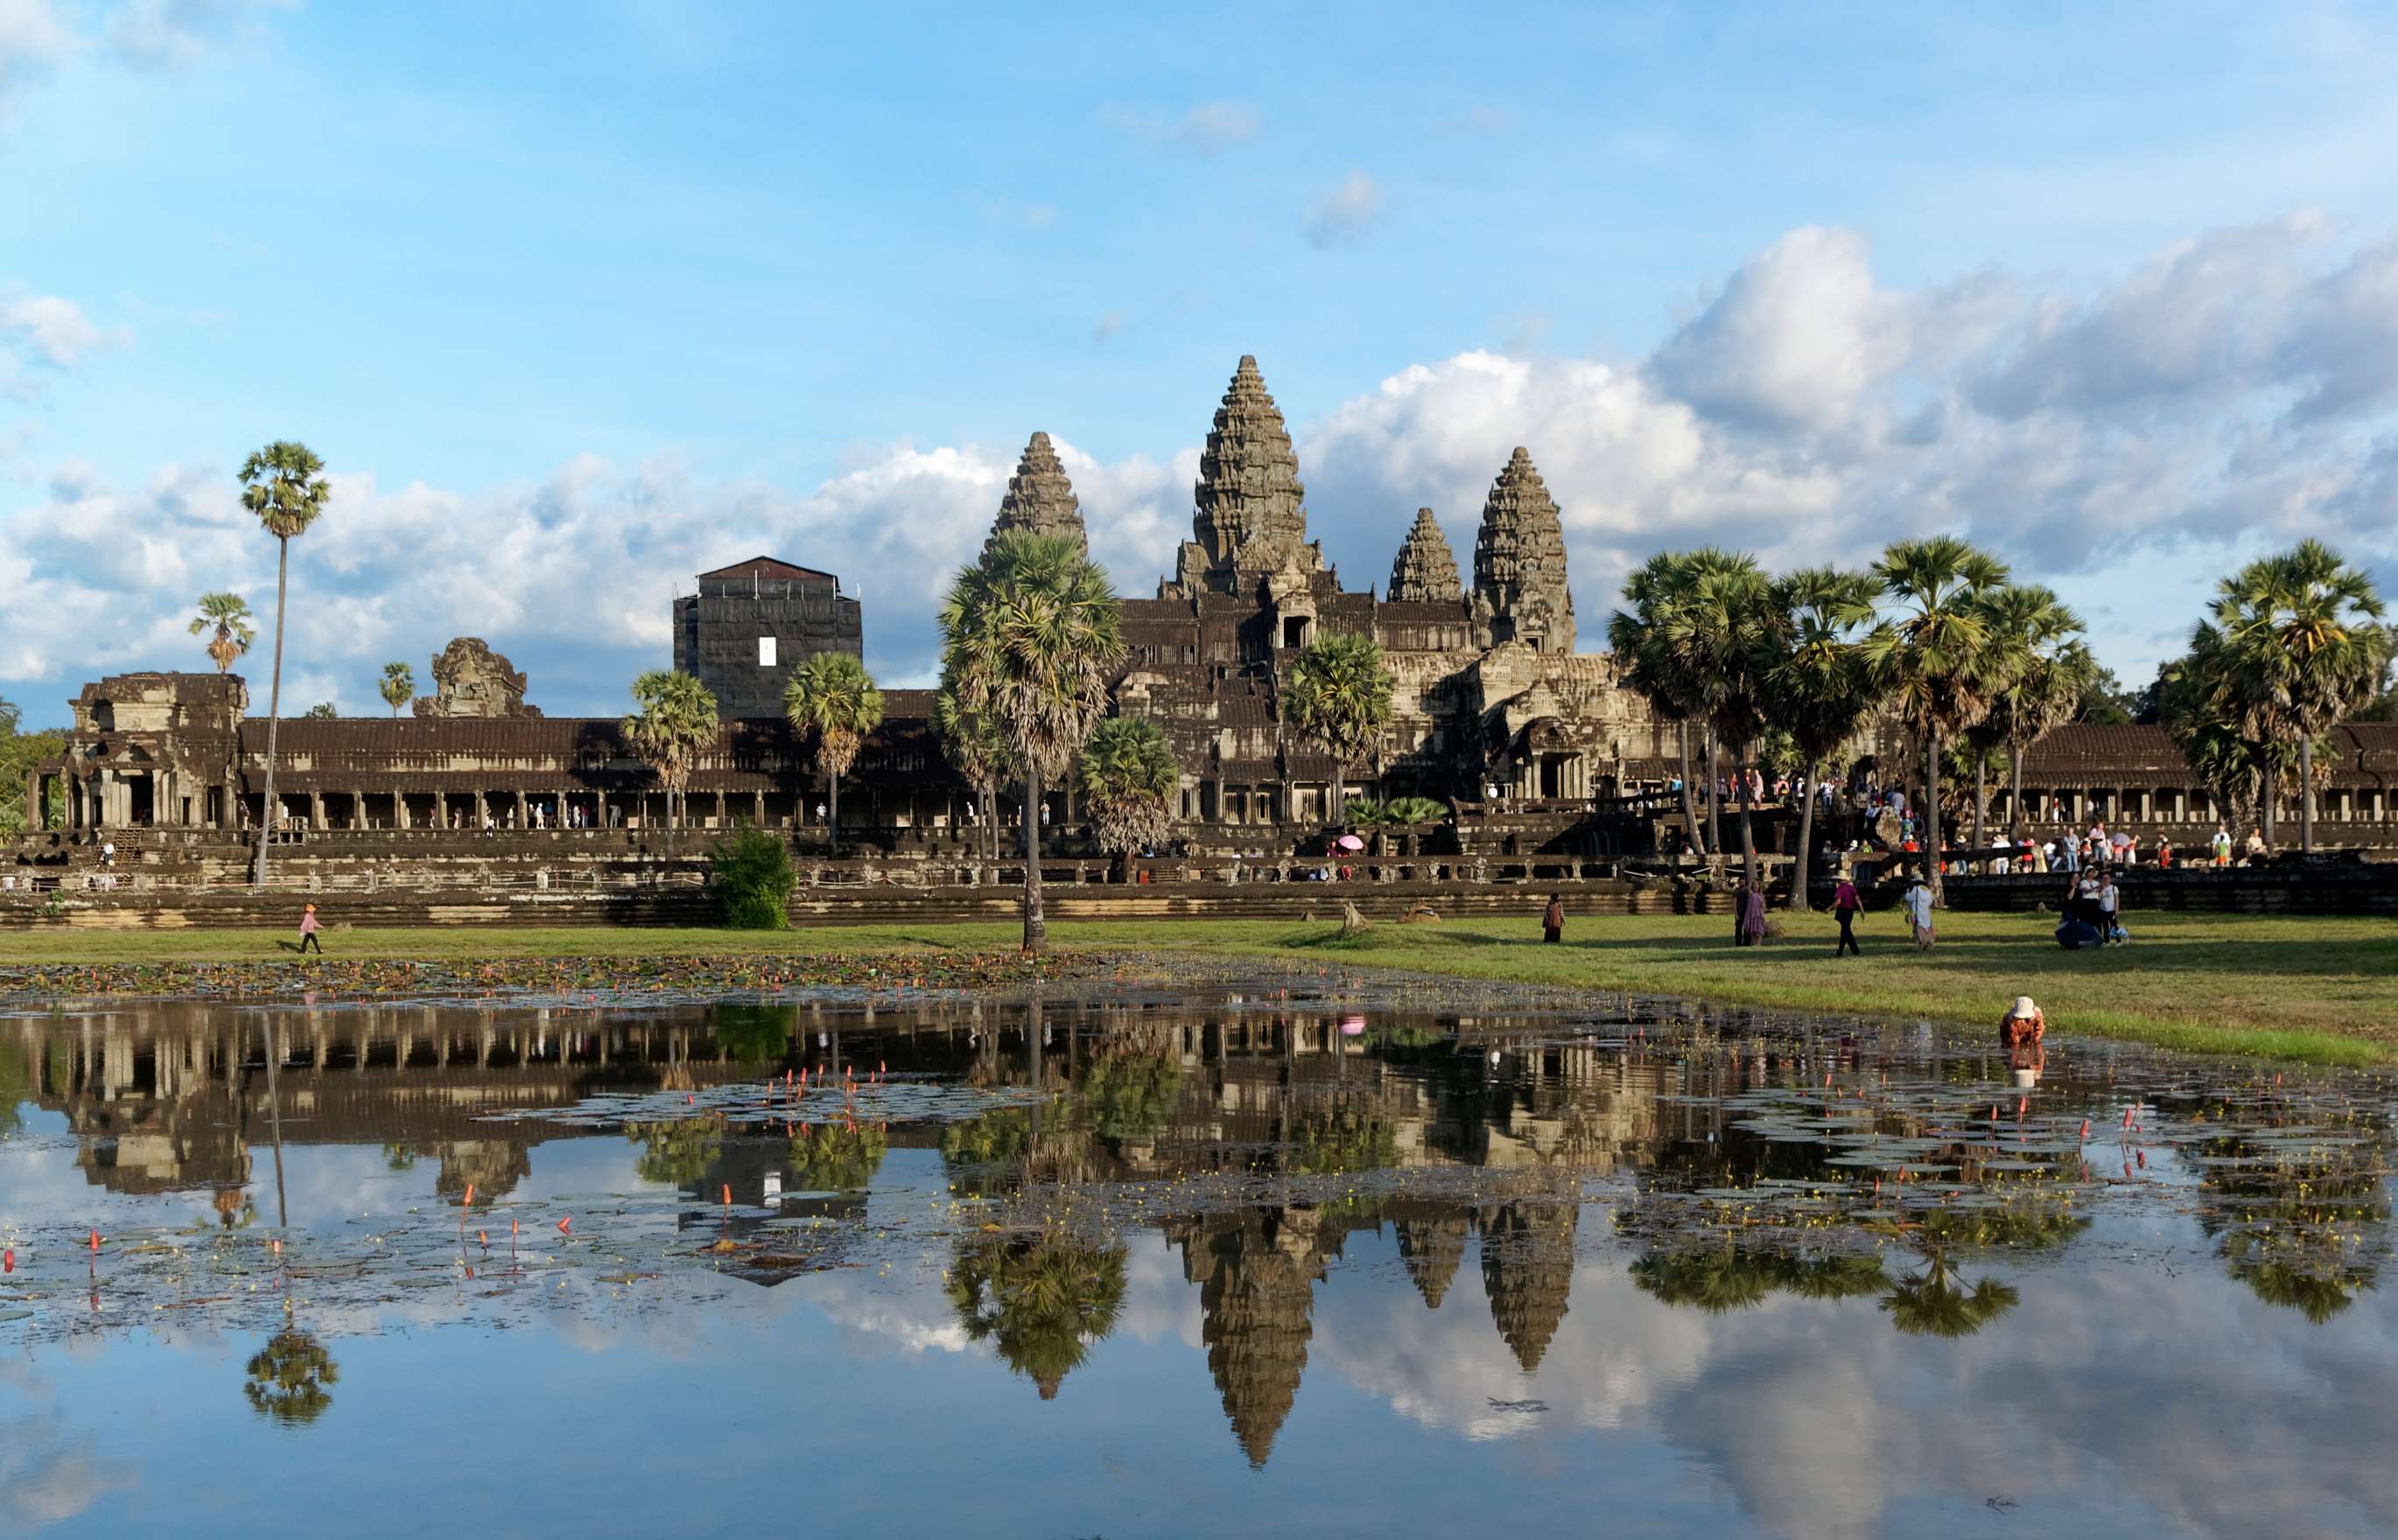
2023, 1026
1845, 904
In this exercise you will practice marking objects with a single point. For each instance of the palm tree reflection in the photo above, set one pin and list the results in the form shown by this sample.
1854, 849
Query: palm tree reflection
287, 1378
1040, 1299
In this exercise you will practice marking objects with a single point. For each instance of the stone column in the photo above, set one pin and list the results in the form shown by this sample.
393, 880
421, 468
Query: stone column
758, 801
316, 810
482, 809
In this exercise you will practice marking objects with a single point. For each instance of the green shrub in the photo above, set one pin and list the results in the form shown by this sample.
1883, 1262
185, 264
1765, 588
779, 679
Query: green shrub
752, 879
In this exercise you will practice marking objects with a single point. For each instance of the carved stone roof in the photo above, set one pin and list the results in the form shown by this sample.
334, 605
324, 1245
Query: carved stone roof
470, 679
768, 567
1425, 571
1251, 512
1520, 556
1040, 500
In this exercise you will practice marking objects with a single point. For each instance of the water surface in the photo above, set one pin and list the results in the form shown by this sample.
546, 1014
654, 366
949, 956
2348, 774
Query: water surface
1250, 1257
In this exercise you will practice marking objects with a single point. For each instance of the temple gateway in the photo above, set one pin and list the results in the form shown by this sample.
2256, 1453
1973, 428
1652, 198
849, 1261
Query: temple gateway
1495, 708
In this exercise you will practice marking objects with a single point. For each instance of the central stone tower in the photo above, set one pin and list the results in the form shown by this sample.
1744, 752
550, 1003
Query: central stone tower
1040, 500
1249, 512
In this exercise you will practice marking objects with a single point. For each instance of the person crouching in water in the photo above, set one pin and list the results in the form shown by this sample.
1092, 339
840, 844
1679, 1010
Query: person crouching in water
2022, 1027
1553, 920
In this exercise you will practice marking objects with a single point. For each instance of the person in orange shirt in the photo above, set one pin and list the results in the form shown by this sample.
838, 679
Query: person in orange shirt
2023, 1026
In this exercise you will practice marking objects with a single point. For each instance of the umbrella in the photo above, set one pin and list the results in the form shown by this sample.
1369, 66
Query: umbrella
1352, 1027
1349, 842
2119, 840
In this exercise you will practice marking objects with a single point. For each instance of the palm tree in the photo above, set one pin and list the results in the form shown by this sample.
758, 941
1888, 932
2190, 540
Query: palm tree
1723, 625
287, 1378
1935, 1301
2048, 669
1819, 685
323, 711
226, 616
1129, 777
1650, 668
398, 686
284, 485
1934, 653
2306, 653
1339, 698
675, 720
975, 751
833, 697
1042, 1300
2198, 699
1031, 633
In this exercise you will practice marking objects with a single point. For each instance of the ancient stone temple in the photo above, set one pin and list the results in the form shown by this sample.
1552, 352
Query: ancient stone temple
750, 625
470, 679
1040, 500
1520, 563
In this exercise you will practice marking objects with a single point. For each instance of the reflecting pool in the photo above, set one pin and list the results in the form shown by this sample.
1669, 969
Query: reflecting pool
1250, 1256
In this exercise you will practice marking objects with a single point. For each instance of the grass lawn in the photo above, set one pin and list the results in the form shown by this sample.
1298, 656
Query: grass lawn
2318, 989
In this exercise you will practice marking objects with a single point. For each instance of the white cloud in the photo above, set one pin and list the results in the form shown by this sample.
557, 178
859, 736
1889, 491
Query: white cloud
1340, 215
33, 38
48, 333
1205, 128
1797, 336
172, 34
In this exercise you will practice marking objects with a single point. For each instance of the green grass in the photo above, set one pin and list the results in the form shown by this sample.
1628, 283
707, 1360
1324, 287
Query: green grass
2323, 990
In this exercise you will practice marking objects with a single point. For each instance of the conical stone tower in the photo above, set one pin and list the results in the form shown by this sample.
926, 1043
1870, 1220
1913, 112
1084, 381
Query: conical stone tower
1520, 563
1250, 510
1432, 1247
1526, 1273
1040, 500
1425, 572
1255, 1294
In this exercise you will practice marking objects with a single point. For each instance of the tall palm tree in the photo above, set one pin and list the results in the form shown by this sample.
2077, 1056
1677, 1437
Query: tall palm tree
226, 617
1650, 668
2306, 652
398, 686
1031, 635
976, 751
284, 486
1724, 627
2049, 668
832, 697
674, 719
1339, 698
1934, 655
2197, 701
1130, 776
1819, 684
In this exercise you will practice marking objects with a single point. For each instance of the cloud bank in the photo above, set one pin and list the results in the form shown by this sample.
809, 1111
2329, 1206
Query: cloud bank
2237, 388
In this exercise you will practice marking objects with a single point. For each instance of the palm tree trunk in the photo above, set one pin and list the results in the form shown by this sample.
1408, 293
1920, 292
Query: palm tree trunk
1931, 813
2015, 790
1747, 832
1690, 806
1714, 795
2268, 801
1981, 803
2307, 792
274, 713
833, 830
1036, 929
1799, 874
1339, 797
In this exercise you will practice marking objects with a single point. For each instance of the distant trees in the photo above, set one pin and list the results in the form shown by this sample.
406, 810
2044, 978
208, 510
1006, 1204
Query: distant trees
674, 718
1651, 667
2039, 672
832, 699
20, 752
1338, 699
224, 620
284, 488
976, 751
323, 711
1721, 623
398, 686
1030, 633
1130, 776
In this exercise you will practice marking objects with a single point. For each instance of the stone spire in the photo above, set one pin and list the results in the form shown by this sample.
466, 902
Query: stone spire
1526, 1273
1040, 500
1519, 562
1432, 1247
1256, 1278
1250, 510
1425, 572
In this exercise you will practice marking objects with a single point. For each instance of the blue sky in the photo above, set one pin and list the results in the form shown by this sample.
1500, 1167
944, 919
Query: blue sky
579, 300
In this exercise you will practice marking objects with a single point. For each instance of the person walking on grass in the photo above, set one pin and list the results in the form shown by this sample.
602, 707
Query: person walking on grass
1918, 913
1845, 904
1752, 917
308, 928
1553, 920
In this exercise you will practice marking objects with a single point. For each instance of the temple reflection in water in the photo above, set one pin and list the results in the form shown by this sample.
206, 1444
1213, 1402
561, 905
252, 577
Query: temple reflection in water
1264, 1139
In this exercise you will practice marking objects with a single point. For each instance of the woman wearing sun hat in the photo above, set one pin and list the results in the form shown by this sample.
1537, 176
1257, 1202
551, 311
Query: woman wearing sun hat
2023, 1026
